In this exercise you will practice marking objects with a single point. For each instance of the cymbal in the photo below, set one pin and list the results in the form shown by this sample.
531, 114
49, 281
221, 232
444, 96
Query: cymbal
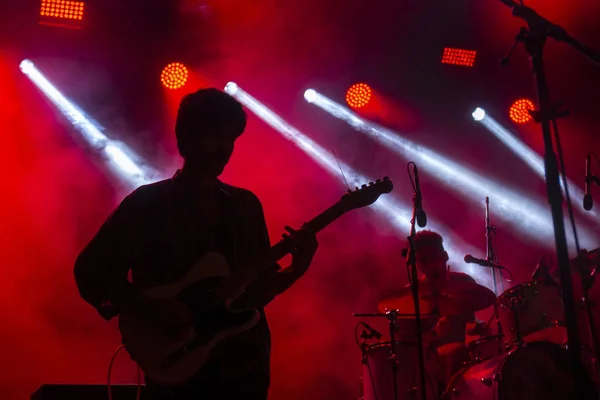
441, 298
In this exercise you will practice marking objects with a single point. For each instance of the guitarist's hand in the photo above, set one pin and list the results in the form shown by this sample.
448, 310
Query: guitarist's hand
304, 243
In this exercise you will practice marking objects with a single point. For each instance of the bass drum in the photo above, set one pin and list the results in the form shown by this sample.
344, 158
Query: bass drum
537, 371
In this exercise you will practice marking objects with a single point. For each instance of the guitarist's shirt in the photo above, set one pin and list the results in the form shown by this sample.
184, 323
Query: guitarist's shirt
153, 235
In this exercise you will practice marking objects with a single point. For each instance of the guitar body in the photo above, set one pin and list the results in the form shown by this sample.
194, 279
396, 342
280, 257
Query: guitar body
173, 361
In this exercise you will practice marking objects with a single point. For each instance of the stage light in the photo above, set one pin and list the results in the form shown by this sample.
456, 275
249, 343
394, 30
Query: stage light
465, 58
310, 95
534, 160
519, 111
397, 213
527, 215
62, 10
478, 114
231, 88
174, 76
119, 158
358, 95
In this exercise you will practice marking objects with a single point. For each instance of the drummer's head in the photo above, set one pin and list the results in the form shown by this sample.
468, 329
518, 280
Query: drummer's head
430, 254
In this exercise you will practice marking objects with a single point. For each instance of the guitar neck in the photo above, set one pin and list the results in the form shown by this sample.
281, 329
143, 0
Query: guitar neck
278, 251
318, 223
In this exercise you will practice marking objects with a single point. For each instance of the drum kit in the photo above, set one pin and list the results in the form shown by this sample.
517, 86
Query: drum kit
526, 358
521, 354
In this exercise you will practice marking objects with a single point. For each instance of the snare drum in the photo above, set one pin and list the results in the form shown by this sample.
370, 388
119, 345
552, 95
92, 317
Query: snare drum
532, 311
486, 347
536, 371
377, 372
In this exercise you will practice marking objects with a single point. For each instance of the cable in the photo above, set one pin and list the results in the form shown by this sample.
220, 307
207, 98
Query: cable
139, 378
138, 394
412, 182
503, 272
112, 361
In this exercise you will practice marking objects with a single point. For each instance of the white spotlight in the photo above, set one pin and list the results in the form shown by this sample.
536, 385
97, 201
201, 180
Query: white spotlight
478, 114
231, 88
310, 95
120, 159
26, 66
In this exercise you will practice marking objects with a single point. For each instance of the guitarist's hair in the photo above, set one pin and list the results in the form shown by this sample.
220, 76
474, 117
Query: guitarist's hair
204, 112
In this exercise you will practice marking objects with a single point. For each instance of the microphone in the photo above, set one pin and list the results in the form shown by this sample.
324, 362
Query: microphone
421, 216
469, 259
373, 333
588, 201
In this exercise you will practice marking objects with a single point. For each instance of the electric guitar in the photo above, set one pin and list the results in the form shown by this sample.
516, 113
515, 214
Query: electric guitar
209, 289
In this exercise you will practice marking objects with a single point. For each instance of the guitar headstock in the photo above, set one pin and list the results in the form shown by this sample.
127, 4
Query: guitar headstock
367, 194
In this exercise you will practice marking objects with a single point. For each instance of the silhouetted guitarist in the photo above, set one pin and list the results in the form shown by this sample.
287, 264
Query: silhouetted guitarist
160, 230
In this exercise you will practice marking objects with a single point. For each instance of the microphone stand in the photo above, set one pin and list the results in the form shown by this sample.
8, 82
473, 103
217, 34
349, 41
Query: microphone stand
491, 257
414, 284
534, 38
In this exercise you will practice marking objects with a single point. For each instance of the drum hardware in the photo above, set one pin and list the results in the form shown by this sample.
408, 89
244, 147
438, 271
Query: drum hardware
376, 378
393, 358
489, 381
492, 257
486, 347
585, 266
530, 311
543, 367
364, 347
534, 38
491, 261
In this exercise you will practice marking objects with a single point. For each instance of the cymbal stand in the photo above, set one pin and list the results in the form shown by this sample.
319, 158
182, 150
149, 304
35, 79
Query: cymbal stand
492, 257
534, 38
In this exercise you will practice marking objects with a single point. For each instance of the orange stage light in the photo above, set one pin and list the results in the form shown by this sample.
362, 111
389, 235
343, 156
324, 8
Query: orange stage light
62, 9
358, 95
465, 58
174, 76
519, 111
